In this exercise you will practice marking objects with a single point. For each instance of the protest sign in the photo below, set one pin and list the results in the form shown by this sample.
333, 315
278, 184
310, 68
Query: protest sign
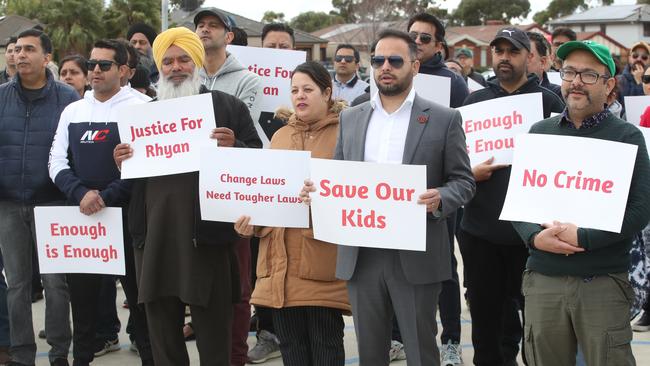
490, 126
554, 77
473, 85
71, 242
368, 204
274, 67
433, 88
166, 136
263, 184
579, 180
635, 106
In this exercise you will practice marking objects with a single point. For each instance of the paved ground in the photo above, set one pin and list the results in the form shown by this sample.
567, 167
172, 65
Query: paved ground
640, 344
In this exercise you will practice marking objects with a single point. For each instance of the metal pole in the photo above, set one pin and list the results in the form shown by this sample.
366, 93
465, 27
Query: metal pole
163, 14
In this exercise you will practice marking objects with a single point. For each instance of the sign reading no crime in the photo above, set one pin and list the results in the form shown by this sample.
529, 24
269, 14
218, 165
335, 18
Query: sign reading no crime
369, 205
166, 136
579, 180
71, 242
491, 126
263, 184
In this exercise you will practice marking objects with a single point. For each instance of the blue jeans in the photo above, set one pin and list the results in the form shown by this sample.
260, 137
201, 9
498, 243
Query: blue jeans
17, 241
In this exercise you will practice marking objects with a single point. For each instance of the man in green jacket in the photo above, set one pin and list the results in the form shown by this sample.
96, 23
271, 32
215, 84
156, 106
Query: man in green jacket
576, 283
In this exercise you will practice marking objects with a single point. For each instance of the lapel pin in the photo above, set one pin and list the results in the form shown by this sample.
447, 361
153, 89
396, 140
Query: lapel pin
423, 118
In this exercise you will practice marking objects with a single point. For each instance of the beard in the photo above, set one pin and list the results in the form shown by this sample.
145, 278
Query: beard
508, 75
398, 87
190, 86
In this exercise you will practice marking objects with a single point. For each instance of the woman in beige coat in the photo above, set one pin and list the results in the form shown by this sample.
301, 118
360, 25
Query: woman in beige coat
295, 272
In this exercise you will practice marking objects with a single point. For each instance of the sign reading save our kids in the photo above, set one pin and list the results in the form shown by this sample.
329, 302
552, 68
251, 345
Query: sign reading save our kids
166, 136
263, 184
71, 242
491, 126
579, 180
368, 204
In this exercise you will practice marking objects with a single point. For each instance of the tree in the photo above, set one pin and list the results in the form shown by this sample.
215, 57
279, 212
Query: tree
311, 21
31, 9
272, 17
559, 8
378, 10
187, 5
121, 14
477, 12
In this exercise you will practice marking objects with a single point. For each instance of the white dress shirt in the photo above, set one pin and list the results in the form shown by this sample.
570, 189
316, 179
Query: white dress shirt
386, 134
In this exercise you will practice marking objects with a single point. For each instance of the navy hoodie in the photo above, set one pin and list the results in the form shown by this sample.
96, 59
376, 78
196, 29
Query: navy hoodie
436, 66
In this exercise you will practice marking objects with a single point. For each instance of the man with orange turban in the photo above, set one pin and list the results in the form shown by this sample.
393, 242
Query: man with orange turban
181, 259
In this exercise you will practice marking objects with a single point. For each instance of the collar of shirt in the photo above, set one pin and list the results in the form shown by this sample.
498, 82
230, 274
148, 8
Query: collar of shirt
375, 102
589, 122
350, 83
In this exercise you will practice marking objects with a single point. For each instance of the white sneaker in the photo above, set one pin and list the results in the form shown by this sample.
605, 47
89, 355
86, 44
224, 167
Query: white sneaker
451, 354
396, 352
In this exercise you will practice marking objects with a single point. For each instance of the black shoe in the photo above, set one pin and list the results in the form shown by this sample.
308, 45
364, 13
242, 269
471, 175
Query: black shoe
36, 296
643, 324
60, 362
14, 363
41, 334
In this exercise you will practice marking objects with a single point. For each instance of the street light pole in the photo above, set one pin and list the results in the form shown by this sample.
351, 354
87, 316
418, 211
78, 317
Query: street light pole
163, 14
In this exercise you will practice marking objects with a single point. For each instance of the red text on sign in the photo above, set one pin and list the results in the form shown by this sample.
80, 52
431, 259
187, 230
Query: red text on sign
566, 181
356, 218
505, 122
92, 231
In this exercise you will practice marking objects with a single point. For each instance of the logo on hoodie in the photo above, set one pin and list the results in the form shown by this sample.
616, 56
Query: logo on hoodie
92, 136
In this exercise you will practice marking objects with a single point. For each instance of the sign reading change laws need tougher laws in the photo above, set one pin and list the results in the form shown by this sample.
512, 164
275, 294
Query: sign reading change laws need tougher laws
368, 204
263, 184
579, 180
71, 242
491, 126
166, 136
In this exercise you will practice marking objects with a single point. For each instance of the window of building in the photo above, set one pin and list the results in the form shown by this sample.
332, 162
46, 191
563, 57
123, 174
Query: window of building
646, 29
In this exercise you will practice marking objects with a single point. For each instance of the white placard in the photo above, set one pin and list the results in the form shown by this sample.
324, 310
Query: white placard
166, 136
579, 180
646, 134
473, 85
368, 204
263, 184
635, 106
433, 88
490, 126
554, 77
71, 242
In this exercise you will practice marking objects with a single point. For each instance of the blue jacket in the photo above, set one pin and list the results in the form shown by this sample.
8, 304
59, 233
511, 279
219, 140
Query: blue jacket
627, 85
26, 133
436, 66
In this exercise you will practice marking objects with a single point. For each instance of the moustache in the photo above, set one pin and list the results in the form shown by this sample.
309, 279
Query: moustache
504, 63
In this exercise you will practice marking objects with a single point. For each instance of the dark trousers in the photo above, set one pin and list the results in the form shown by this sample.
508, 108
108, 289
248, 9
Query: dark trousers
264, 315
494, 287
211, 324
84, 296
242, 309
108, 324
449, 300
310, 336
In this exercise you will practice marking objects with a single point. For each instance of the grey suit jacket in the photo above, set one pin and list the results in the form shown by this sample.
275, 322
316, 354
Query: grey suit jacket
435, 138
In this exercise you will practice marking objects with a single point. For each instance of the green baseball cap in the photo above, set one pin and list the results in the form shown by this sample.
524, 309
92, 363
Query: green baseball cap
598, 50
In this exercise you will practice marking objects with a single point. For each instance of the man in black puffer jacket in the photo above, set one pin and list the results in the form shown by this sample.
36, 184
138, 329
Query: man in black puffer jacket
32, 103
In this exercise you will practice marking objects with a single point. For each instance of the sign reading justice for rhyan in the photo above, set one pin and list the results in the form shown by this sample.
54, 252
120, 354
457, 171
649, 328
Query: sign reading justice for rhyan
71, 242
580, 180
263, 184
368, 204
166, 136
491, 126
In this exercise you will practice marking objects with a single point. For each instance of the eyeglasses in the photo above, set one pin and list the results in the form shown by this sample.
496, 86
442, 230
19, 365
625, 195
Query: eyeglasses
587, 77
348, 59
104, 65
643, 56
394, 61
425, 38
645, 79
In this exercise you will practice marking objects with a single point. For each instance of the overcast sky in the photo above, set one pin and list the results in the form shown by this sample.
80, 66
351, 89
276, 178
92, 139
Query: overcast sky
254, 9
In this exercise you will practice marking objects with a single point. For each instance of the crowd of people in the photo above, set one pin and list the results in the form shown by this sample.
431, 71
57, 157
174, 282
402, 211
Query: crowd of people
562, 292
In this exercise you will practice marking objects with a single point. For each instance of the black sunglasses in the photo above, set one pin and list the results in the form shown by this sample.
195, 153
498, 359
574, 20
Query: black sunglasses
104, 65
425, 38
645, 79
347, 59
394, 61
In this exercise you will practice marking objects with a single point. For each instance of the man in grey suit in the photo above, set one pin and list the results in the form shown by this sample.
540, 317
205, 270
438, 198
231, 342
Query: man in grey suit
397, 126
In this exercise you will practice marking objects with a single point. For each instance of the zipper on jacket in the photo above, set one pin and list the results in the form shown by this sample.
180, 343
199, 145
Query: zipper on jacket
26, 131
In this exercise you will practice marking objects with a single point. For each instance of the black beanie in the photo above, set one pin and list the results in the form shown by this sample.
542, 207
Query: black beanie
145, 29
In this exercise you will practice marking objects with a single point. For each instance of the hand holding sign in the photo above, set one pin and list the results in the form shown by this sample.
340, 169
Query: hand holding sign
547, 240
306, 189
225, 136
121, 153
243, 227
570, 233
91, 203
430, 198
483, 171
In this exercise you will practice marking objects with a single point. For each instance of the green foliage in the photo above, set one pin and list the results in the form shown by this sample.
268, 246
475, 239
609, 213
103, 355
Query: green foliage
186, 5
351, 11
311, 21
477, 12
272, 17
120, 14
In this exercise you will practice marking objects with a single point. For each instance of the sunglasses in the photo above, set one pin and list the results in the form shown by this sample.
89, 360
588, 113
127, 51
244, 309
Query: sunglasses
394, 61
104, 65
643, 56
347, 59
425, 38
645, 79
